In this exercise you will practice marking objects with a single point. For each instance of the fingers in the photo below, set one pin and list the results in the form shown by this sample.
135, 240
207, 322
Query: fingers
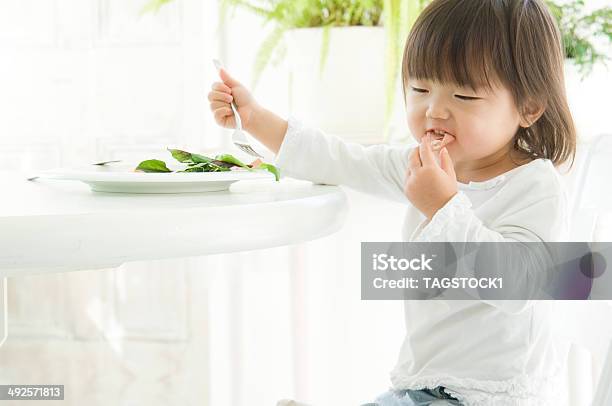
221, 87
227, 78
446, 140
219, 96
221, 113
217, 104
427, 155
446, 163
414, 161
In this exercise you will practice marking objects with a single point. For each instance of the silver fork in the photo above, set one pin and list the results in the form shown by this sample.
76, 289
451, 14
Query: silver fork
238, 137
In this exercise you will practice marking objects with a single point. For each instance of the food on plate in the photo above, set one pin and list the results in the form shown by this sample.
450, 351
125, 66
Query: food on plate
201, 163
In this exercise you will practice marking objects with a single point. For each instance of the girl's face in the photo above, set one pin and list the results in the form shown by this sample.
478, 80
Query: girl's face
482, 122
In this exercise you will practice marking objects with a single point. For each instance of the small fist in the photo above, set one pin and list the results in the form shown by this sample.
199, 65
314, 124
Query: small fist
430, 185
223, 93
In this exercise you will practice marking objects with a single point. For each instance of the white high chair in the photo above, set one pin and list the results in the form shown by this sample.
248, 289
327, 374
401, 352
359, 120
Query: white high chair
603, 395
589, 340
590, 195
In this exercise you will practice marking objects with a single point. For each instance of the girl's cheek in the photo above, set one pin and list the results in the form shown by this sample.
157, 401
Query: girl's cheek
415, 125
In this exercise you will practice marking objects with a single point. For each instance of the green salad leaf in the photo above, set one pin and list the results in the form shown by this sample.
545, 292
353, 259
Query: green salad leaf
231, 160
271, 168
153, 165
188, 157
181, 156
202, 163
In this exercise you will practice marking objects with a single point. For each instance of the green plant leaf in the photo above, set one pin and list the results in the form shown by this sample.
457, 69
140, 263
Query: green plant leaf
188, 157
264, 54
223, 164
232, 160
197, 158
201, 167
271, 168
201, 163
213, 166
324, 48
578, 31
181, 156
153, 6
153, 165
258, 10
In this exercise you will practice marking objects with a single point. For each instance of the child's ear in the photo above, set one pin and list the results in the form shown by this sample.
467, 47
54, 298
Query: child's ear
531, 113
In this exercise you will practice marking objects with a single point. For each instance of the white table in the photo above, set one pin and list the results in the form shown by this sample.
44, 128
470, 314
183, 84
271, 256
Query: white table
58, 225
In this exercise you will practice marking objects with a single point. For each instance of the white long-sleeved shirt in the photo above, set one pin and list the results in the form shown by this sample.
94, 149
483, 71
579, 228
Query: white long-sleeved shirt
498, 352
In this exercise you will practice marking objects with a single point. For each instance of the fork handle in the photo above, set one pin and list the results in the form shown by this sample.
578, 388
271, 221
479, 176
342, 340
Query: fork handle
236, 116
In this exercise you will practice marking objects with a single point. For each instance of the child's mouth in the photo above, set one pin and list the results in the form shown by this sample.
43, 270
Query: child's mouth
440, 139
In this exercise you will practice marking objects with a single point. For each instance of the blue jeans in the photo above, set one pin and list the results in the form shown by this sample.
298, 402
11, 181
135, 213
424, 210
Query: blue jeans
423, 397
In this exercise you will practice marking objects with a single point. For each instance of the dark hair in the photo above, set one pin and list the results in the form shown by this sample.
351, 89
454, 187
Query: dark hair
515, 43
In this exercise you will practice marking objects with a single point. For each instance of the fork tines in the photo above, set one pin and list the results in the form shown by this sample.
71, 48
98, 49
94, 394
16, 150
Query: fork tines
248, 149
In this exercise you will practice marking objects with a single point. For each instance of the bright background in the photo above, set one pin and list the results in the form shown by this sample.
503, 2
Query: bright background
88, 80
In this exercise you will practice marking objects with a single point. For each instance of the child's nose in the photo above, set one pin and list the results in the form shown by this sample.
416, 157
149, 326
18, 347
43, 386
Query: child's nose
437, 109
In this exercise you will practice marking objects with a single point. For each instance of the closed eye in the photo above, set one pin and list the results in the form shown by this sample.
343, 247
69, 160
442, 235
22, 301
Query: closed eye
467, 97
416, 89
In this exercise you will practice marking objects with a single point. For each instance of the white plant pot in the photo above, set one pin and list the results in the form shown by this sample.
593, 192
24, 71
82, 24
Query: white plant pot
348, 98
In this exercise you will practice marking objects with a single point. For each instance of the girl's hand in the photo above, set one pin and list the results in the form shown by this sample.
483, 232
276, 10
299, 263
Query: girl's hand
223, 93
429, 185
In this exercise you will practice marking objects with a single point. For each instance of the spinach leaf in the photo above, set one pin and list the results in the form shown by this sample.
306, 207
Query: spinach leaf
205, 167
222, 163
271, 168
232, 160
197, 158
188, 157
181, 156
153, 165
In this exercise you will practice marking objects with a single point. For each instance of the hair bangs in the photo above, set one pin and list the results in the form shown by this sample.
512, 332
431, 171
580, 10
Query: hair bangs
458, 42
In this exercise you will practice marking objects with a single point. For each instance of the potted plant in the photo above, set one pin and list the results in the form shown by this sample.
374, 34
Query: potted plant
579, 30
311, 25
585, 36
374, 30
335, 48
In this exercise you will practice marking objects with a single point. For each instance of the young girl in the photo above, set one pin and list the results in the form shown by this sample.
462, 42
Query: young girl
484, 92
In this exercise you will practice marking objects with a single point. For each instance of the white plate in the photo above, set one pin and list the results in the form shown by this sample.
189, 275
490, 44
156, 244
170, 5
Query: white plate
121, 178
